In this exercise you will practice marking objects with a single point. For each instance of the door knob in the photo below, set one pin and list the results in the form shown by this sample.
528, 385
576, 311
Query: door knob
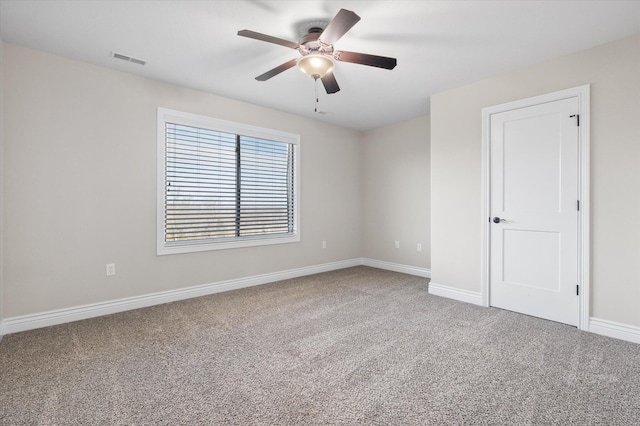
498, 220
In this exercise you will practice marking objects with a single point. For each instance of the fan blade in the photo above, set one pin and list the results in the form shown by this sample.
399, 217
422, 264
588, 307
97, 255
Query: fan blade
268, 38
277, 70
339, 25
364, 59
330, 83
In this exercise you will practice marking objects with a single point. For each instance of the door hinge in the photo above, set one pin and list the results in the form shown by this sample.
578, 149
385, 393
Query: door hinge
577, 289
577, 116
578, 204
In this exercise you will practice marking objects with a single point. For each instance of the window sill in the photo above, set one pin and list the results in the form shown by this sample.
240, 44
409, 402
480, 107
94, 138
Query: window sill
177, 248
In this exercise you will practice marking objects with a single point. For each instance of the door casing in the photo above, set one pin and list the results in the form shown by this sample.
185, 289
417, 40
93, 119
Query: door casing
582, 93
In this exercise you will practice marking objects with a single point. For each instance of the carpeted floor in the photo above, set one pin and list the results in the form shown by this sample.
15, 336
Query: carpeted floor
355, 346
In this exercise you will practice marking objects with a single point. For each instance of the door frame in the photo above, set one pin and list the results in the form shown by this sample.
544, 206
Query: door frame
582, 93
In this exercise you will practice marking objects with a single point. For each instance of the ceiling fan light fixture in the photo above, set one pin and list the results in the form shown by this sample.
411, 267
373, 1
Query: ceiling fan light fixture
316, 65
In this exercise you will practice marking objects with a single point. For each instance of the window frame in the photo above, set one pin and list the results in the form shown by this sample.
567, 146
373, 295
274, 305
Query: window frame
166, 115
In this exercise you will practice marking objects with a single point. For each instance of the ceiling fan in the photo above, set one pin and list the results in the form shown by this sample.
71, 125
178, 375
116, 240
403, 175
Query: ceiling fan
318, 55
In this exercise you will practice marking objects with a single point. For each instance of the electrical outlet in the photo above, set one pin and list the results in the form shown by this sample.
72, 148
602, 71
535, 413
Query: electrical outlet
111, 269
324, 244
419, 248
397, 245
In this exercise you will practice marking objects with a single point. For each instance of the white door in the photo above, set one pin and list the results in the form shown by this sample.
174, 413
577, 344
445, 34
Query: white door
534, 210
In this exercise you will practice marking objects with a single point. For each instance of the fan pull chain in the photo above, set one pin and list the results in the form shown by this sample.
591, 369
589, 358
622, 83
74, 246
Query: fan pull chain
316, 107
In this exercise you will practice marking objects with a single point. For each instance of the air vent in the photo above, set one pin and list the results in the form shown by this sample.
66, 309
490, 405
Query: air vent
128, 58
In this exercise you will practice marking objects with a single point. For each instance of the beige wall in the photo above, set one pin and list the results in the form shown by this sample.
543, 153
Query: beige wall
613, 70
80, 187
396, 193
1, 180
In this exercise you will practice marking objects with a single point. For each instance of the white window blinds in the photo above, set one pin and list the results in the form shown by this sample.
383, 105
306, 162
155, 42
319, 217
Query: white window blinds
265, 187
221, 185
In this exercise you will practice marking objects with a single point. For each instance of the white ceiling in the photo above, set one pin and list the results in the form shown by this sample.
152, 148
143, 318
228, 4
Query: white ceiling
439, 45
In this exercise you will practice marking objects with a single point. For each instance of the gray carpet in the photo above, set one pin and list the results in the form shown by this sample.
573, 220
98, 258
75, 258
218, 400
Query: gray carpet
355, 346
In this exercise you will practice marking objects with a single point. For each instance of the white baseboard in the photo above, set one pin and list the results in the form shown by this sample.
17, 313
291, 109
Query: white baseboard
614, 329
61, 316
397, 267
455, 293
598, 326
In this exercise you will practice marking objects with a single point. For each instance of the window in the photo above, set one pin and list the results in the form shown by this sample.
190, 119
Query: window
223, 184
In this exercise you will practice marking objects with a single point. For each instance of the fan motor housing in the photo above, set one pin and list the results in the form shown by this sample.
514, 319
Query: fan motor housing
310, 43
